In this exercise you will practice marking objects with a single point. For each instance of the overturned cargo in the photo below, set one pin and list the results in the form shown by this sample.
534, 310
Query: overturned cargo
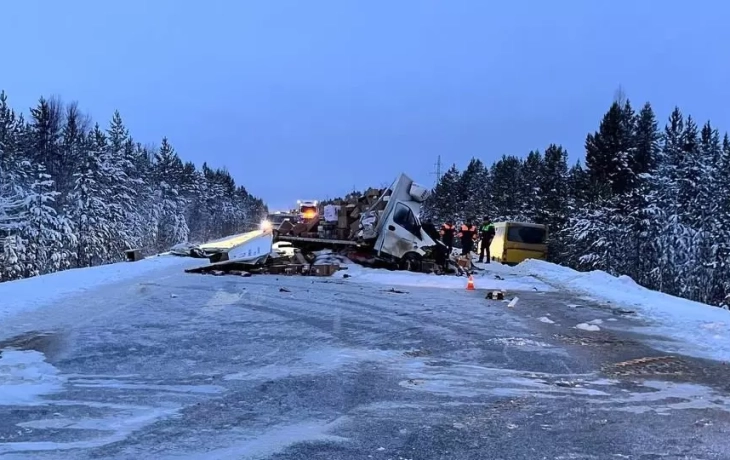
380, 227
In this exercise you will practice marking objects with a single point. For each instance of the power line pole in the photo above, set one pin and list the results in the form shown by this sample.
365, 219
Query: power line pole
437, 173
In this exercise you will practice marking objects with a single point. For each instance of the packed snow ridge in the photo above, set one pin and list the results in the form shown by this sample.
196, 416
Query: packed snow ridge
701, 330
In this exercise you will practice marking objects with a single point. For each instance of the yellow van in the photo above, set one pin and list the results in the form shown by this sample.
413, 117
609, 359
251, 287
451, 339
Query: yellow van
516, 241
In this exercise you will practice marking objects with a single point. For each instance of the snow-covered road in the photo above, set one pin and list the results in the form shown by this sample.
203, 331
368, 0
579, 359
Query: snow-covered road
161, 364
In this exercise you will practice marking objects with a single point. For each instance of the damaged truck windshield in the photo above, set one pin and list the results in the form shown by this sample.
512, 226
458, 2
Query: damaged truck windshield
405, 218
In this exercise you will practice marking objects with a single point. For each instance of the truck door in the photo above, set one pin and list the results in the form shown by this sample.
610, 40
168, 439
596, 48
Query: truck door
401, 232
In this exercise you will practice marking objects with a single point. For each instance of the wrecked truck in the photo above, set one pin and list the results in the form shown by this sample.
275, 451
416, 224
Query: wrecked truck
381, 227
396, 232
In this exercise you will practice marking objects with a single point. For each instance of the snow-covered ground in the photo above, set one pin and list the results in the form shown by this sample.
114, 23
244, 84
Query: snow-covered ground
128, 349
700, 330
494, 277
32, 293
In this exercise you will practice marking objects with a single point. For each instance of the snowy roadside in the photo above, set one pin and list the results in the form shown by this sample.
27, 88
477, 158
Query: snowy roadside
491, 277
704, 330
33, 293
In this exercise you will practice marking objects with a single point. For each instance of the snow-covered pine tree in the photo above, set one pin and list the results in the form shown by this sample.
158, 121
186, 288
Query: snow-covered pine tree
531, 196
578, 183
193, 188
721, 222
13, 170
43, 232
665, 211
473, 186
445, 199
504, 188
705, 209
640, 254
146, 214
600, 226
45, 127
13, 191
172, 227
118, 165
553, 192
608, 151
89, 205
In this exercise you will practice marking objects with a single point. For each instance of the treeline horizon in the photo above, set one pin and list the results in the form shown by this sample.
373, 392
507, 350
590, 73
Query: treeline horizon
76, 194
647, 202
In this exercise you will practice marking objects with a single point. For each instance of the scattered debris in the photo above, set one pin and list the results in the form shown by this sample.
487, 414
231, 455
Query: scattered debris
545, 319
566, 384
396, 291
133, 255
495, 295
595, 340
498, 277
416, 353
284, 290
652, 365
513, 302
188, 250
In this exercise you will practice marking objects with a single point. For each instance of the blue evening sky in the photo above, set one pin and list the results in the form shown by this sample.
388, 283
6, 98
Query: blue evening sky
308, 99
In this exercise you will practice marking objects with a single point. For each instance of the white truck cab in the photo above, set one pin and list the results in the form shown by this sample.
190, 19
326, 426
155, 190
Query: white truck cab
398, 229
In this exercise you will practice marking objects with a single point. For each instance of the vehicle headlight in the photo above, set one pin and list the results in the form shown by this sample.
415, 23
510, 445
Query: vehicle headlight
266, 225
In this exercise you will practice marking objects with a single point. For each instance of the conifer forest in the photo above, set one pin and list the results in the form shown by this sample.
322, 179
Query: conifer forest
74, 193
649, 202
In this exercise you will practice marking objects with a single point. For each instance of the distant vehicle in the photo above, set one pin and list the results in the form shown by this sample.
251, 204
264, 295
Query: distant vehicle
283, 248
277, 218
307, 209
517, 241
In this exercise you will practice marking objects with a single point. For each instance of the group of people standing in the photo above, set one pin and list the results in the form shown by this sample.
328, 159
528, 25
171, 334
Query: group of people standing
469, 235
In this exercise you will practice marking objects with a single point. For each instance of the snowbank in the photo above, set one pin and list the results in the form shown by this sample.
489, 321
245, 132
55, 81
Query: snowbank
706, 329
33, 293
490, 278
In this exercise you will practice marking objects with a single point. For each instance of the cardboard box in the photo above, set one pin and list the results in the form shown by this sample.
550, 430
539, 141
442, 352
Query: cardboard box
464, 262
342, 220
323, 270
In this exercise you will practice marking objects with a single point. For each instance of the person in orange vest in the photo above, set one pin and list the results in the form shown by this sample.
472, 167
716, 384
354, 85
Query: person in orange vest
468, 235
448, 230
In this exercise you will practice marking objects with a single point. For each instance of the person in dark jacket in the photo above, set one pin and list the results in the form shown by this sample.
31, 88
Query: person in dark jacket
486, 233
468, 235
447, 235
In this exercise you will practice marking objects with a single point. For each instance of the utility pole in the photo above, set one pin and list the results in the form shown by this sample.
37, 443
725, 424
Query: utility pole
437, 173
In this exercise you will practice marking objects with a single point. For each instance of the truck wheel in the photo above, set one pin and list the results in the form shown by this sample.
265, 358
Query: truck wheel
411, 262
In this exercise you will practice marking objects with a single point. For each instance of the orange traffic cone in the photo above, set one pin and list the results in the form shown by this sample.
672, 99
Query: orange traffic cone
470, 283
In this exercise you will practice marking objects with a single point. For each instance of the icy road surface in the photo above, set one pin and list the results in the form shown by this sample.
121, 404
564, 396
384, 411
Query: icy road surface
177, 366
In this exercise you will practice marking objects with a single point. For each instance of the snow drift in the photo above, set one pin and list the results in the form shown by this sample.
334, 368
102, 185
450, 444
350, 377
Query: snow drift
703, 329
